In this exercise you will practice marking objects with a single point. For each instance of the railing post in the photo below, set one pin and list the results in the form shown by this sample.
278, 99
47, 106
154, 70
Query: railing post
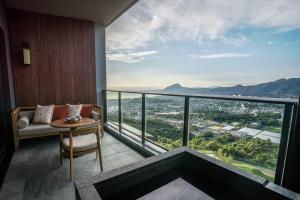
120, 111
105, 105
186, 121
291, 141
291, 176
143, 118
285, 133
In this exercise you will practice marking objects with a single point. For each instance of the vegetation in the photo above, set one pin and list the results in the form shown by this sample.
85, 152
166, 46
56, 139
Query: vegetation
247, 153
274, 129
263, 119
250, 150
247, 149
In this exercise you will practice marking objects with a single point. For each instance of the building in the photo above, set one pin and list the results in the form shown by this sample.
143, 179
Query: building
249, 131
267, 135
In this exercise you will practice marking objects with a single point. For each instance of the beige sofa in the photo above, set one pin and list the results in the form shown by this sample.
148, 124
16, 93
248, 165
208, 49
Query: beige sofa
42, 130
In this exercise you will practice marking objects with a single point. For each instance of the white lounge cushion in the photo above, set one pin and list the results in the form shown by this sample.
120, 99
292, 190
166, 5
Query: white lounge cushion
95, 115
29, 114
36, 129
81, 142
23, 122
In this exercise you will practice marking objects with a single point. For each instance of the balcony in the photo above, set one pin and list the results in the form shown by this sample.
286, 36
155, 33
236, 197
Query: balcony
53, 52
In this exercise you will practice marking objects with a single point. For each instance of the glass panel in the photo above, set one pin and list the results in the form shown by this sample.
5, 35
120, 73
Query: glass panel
132, 113
164, 120
112, 107
245, 135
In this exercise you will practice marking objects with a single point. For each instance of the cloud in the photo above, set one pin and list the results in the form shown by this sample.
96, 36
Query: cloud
198, 21
220, 55
129, 57
236, 41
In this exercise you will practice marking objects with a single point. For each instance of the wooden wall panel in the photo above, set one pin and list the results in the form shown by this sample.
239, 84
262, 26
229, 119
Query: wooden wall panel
62, 66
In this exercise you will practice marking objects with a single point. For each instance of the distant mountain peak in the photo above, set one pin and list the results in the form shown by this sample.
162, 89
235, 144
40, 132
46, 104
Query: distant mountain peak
281, 80
239, 85
174, 86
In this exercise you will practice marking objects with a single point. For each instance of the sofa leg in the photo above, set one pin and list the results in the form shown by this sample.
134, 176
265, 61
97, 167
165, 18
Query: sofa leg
17, 142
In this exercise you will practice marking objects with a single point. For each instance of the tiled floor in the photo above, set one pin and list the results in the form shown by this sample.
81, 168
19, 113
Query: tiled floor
35, 171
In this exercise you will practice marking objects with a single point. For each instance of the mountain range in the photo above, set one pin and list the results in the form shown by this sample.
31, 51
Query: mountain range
282, 88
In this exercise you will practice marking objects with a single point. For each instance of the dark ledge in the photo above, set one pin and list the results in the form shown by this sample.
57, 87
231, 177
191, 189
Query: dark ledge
206, 174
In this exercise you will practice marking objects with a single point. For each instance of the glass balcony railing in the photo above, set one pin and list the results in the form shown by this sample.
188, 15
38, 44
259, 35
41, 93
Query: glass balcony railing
164, 120
246, 132
131, 115
112, 107
245, 135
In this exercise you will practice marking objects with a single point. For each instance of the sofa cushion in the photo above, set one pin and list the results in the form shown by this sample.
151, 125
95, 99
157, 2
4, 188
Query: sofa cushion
86, 110
81, 142
43, 114
74, 110
29, 114
23, 122
95, 116
60, 112
36, 129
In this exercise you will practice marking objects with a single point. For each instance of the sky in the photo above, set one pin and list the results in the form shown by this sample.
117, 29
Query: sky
203, 43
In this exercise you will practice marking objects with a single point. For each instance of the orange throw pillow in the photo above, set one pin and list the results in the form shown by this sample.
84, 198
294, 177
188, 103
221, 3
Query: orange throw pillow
60, 112
86, 110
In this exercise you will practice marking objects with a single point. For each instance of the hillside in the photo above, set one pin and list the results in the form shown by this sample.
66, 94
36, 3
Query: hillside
283, 88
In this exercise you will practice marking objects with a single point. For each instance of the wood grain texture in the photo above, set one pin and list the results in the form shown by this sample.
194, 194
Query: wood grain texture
60, 123
62, 66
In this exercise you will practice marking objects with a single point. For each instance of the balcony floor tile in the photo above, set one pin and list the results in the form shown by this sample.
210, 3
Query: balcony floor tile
35, 172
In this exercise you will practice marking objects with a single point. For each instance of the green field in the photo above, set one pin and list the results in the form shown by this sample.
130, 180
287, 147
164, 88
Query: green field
253, 169
274, 129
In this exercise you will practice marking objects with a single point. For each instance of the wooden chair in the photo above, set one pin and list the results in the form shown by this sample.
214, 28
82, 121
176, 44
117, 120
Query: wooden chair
79, 143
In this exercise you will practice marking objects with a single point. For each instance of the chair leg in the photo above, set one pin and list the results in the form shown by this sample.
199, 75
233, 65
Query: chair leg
71, 165
60, 154
97, 154
61, 137
100, 159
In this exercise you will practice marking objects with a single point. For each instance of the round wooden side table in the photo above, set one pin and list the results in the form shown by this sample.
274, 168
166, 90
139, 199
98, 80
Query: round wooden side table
61, 123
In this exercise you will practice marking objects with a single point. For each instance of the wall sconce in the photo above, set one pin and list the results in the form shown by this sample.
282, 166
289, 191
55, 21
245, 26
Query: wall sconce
26, 54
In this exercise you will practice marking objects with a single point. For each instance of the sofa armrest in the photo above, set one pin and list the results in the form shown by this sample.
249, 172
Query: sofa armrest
14, 119
99, 109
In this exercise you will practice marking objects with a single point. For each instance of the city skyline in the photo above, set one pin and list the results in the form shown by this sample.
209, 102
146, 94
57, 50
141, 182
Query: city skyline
203, 44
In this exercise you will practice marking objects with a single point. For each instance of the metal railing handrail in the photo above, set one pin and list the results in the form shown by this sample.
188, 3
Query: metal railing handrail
290, 111
218, 97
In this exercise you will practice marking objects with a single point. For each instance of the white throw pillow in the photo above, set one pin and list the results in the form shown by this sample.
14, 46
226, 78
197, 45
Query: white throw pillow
43, 114
74, 110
